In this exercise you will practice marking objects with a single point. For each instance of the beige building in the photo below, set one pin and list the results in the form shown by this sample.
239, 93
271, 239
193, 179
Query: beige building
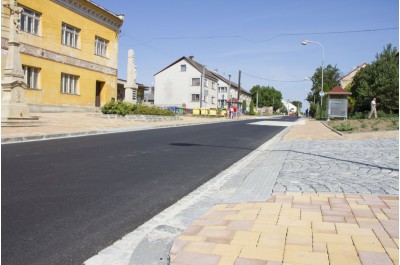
348, 78
69, 53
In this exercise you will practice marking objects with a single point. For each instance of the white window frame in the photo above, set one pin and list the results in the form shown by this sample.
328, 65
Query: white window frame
69, 84
196, 98
183, 67
70, 35
29, 21
197, 83
31, 76
222, 89
100, 46
205, 82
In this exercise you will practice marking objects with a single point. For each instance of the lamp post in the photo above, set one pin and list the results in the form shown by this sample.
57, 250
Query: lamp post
305, 42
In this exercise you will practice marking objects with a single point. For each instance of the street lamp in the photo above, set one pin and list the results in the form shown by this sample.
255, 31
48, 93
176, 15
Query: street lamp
305, 42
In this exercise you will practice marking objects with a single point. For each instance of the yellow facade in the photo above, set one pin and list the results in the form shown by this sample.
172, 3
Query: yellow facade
46, 52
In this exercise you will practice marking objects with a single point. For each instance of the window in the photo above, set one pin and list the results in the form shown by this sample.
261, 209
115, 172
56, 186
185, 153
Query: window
213, 85
70, 35
212, 100
196, 97
31, 76
222, 89
100, 46
69, 84
183, 68
205, 82
221, 103
29, 21
195, 81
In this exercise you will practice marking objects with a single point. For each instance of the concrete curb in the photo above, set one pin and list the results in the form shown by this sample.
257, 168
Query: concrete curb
330, 128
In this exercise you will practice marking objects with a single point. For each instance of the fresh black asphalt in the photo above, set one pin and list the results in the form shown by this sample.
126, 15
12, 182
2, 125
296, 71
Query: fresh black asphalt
65, 200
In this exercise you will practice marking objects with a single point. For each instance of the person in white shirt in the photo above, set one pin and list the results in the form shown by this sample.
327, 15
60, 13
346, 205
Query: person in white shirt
373, 108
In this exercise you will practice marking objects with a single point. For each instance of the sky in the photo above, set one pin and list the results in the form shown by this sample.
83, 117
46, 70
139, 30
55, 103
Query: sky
261, 38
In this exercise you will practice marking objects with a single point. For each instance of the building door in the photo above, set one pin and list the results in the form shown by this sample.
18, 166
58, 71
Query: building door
99, 87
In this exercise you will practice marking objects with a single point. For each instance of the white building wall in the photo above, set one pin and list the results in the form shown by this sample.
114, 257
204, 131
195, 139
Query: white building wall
173, 87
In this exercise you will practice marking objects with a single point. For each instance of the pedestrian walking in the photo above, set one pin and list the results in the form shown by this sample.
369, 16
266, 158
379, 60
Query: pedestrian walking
234, 111
231, 112
373, 108
228, 113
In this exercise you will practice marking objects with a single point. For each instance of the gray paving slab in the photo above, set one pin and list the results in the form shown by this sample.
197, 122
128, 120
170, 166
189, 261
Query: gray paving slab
359, 166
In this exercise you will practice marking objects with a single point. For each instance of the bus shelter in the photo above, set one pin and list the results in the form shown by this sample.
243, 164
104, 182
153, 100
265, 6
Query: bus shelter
337, 103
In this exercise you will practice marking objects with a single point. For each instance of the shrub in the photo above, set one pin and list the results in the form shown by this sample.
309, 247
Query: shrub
252, 112
359, 115
125, 108
345, 127
152, 110
313, 110
118, 107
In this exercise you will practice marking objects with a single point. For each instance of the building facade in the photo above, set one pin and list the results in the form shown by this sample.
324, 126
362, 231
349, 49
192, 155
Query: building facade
69, 53
348, 78
184, 82
228, 93
180, 84
140, 95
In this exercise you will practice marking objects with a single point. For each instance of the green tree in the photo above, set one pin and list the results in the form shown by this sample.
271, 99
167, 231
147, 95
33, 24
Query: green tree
267, 96
313, 109
350, 98
380, 79
331, 79
251, 112
244, 105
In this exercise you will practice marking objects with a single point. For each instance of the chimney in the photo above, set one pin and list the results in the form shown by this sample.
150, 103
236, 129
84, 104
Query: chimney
191, 57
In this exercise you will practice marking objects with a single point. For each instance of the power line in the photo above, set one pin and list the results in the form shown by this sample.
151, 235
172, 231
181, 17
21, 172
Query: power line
265, 40
274, 80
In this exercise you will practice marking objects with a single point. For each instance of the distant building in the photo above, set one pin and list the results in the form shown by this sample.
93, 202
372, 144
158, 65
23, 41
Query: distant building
228, 92
140, 96
348, 78
180, 84
69, 53
289, 106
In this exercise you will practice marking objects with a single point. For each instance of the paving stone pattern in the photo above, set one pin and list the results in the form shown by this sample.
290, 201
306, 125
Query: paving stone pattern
359, 166
294, 228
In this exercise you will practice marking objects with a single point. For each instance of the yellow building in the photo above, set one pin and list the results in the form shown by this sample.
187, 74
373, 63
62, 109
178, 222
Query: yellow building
69, 53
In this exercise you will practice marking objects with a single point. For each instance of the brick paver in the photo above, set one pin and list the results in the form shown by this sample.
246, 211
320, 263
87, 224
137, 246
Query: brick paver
296, 234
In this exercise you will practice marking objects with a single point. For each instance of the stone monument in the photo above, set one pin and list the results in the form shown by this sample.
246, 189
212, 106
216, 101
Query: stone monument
13, 105
131, 86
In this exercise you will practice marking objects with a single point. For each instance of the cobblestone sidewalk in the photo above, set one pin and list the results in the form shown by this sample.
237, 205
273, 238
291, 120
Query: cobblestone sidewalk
358, 166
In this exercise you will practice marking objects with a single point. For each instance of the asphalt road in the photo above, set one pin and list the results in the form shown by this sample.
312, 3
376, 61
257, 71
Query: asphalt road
65, 200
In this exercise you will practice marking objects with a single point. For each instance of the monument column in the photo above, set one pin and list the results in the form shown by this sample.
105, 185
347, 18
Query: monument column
13, 106
131, 86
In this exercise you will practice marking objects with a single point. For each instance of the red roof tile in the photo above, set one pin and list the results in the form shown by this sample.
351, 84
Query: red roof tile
337, 90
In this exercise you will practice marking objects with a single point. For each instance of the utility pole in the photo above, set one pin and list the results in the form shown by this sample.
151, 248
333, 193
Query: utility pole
201, 86
257, 101
238, 97
229, 91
